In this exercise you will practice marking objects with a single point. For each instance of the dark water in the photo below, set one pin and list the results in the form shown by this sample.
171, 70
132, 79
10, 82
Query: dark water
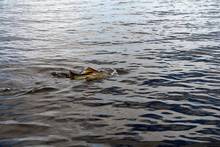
167, 92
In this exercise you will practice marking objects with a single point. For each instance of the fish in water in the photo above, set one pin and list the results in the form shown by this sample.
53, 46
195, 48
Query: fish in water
89, 74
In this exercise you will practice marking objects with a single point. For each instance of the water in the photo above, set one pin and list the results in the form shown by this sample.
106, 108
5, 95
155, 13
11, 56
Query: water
168, 91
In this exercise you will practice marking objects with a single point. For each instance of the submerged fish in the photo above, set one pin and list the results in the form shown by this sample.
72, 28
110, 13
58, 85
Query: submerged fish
88, 74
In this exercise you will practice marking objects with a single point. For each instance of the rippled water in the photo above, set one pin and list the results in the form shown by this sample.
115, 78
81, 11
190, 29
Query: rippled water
167, 93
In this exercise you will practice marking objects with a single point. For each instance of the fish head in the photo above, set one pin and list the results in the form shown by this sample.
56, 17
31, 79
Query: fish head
97, 76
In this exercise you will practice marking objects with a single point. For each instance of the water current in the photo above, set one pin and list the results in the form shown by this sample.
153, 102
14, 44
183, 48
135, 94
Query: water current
166, 92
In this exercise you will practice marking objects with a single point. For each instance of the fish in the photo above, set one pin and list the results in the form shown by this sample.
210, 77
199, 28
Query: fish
89, 74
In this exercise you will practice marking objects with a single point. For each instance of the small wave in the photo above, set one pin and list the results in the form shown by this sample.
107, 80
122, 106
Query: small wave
114, 90
154, 82
13, 128
154, 116
41, 90
34, 141
171, 127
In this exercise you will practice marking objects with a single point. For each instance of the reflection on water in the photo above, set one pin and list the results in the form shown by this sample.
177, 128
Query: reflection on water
166, 93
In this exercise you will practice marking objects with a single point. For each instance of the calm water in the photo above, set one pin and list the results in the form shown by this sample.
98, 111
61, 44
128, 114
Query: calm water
167, 93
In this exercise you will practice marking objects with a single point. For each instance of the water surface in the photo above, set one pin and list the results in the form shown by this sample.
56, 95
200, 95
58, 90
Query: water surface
167, 91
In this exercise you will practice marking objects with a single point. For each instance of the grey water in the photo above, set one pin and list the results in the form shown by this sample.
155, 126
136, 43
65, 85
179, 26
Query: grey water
166, 92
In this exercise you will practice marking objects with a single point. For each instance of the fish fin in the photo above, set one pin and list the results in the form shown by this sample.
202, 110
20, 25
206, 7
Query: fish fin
72, 75
89, 70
